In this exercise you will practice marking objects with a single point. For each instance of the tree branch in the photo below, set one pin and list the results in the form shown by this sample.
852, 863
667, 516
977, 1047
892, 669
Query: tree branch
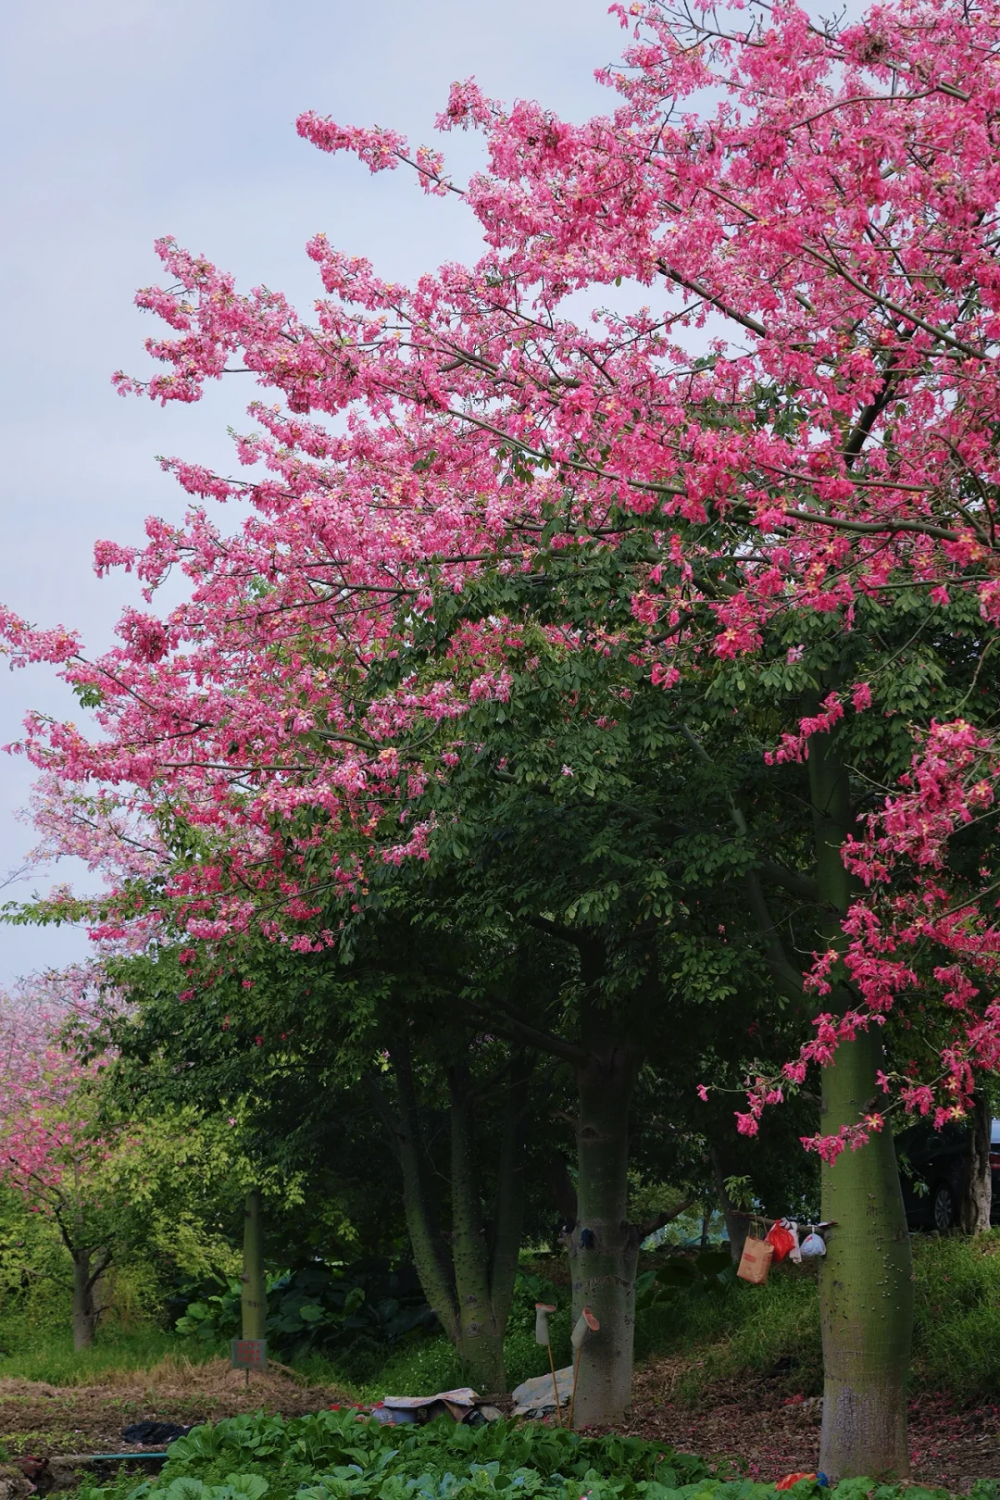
662, 1220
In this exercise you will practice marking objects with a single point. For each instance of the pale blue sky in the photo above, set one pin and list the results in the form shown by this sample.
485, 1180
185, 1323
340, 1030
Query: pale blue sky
127, 119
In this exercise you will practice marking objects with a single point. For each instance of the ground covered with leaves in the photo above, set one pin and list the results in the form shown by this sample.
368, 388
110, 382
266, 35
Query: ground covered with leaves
767, 1428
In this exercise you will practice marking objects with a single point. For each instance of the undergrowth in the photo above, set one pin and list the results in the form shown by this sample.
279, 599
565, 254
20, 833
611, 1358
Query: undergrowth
730, 1331
335, 1456
773, 1331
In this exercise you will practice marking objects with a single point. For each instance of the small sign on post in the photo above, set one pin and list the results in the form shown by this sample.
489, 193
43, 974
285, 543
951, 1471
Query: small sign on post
248, 1354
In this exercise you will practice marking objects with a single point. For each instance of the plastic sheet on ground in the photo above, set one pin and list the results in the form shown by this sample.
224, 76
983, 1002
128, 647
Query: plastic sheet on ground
462, 1404
536, 1398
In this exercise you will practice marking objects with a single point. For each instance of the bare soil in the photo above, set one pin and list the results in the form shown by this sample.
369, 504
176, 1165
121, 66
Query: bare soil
47, 1420
758, 1428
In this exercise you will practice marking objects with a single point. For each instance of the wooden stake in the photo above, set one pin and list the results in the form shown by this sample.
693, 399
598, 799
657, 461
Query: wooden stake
555, 1386
576, 1376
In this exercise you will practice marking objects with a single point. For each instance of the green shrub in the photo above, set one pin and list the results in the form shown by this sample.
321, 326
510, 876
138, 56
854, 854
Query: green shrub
751, 1329
417, 1369
357, 1312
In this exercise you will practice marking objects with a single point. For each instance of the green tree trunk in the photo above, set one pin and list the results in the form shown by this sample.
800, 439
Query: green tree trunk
84, 1304
604, 1246
470, 1284
737, 1224
253, 1294
430, 1253
508, 1214
865, 1283
480, 1332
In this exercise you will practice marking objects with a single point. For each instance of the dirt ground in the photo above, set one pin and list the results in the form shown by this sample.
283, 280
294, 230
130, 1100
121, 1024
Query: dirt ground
765, 1431
46, 1420
768, 1432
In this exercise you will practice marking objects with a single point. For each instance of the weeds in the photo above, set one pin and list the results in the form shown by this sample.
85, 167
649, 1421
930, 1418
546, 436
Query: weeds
37, 1352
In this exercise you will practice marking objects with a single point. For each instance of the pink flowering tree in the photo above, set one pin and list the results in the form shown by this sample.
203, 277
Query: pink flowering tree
785, 421
48, 1147
111, 1185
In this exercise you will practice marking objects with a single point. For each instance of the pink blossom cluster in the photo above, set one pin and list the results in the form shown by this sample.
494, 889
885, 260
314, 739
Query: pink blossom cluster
825, 230
43, 1127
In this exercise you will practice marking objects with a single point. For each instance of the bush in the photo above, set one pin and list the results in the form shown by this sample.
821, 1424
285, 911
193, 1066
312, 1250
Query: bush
775, 1328
353, 1314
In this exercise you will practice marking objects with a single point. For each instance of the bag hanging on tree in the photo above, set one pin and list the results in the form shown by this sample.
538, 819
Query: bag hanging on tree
755, 1262
781, 1240
813, 1244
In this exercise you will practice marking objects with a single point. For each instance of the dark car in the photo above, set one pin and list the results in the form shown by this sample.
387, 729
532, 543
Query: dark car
932, 1168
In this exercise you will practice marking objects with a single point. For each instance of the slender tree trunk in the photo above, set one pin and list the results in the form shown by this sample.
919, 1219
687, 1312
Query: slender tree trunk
865, 1283
977, 1193
736, 1224
85, 1310
480, 1333
604, 1247
253, 1295
430, 1254
508, 1216
470, 1286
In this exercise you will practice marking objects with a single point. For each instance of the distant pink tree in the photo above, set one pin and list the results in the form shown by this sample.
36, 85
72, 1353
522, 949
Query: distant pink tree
49, 1147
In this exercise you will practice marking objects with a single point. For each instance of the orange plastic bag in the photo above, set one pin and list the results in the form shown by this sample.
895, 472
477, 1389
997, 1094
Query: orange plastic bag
755, 1262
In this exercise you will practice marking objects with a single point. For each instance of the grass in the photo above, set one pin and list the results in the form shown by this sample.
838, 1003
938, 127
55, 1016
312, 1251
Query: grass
750, 1331
739, 1331
38, 1352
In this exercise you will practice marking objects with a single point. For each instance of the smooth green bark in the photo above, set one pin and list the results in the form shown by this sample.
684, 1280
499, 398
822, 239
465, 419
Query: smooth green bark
604, 1246
865, 1285
468, 1277
977, 1195
430, 1253
866, 1278
253, 1297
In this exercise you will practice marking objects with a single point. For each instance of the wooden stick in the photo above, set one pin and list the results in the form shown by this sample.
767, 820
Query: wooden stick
576, 1376
555, 1385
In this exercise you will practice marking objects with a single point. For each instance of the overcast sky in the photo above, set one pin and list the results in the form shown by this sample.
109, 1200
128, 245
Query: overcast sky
127, 119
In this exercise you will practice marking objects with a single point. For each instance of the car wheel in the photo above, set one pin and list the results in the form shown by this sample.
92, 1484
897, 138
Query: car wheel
943, 1214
